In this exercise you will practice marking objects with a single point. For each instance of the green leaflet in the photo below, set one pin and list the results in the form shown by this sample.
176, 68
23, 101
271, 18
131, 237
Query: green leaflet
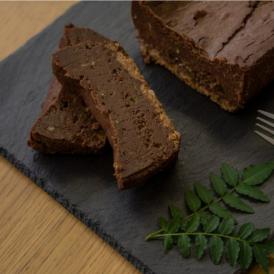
193, 223
216, 249
259, 235
230, 174
168, 243
236, 203
204, 218
226, 226
233, 251
203, 193
212, 224
245, 257
257, 174
175, 212
200, 246
246, 230
218, 185
219, 211
261, 258
163, 223
268, 247
192, 201
252, 192
173, 226
184, 245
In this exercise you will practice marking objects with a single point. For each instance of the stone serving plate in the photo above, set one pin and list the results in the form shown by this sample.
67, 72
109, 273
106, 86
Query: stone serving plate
85, 184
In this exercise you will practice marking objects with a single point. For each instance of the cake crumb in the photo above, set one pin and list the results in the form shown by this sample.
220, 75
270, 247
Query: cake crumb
51, 128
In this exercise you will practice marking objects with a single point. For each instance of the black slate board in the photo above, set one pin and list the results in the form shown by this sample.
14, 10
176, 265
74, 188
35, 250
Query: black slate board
85, 185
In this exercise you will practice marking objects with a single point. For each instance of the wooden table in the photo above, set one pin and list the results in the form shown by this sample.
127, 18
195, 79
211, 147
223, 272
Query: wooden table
37, 235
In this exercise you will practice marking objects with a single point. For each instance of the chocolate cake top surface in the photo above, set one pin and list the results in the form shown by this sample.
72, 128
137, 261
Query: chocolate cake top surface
74, 35
238, 32
128, 110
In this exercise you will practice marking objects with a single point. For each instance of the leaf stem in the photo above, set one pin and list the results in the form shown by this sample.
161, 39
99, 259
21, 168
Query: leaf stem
156, 234
153, 234
155, 237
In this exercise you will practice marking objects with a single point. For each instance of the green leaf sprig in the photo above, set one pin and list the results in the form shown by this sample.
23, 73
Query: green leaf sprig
211, 225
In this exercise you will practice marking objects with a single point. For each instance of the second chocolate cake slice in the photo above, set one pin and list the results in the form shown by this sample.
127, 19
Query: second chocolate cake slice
143, 138
65, 125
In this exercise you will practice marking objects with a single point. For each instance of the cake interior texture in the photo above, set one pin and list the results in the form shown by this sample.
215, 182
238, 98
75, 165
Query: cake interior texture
224, 50
65, 124
143, 139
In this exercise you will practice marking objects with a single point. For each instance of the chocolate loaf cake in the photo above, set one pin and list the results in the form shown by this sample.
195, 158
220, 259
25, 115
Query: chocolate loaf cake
224, 50
65, 125
143, 139
75, 35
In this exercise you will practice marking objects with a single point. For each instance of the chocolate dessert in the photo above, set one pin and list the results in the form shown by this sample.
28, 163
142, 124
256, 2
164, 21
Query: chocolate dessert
75, 35
65, 125
224, 50
143, 139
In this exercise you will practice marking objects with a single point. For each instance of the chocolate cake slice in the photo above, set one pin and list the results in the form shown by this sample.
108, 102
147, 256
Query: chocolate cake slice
143, 139
75, 35
224, 50
65, 124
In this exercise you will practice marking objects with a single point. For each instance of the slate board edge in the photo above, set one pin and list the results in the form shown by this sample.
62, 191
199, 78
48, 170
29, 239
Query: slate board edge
76, 212
59, 197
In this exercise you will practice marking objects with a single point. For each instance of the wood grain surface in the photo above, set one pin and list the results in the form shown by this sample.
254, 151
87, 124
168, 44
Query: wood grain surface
37, 235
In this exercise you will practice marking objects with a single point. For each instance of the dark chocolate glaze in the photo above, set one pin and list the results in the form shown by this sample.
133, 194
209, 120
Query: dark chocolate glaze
143, 138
